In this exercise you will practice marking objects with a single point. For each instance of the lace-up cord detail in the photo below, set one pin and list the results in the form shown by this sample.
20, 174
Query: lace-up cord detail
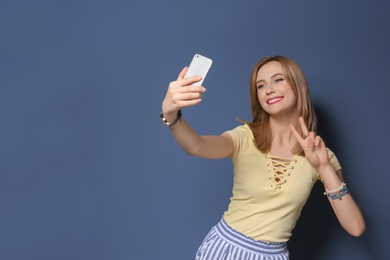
279, 169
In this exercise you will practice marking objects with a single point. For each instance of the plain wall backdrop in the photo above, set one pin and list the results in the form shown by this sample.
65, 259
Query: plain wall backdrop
88, 171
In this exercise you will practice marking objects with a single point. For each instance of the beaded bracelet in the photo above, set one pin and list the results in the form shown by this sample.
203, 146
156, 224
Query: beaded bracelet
334, 196
335, 190
165, 122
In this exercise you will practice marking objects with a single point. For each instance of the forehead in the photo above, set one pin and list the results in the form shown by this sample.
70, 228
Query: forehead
269, 69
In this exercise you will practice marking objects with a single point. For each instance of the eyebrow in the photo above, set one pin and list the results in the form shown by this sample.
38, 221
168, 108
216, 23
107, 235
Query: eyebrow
273, 76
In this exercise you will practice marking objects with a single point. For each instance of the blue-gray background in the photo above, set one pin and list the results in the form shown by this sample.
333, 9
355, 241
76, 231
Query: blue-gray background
87, 169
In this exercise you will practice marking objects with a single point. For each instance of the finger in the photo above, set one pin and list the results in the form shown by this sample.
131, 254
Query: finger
182, 94
296, 134
192, 89
187, 103
188, 96
319, 141
186, 93
179, 85
187, 81
310, 145
312, 136
303, 126
182, 73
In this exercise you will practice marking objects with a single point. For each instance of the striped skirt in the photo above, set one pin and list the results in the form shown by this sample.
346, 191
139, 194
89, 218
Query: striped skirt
223, 242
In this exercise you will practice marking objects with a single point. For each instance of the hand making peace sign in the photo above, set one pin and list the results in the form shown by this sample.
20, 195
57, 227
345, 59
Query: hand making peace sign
312, 145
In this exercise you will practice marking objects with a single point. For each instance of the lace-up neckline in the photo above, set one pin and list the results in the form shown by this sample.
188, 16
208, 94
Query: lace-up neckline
279, 168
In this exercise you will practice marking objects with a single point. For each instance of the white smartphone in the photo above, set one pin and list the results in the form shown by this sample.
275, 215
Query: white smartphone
199, 66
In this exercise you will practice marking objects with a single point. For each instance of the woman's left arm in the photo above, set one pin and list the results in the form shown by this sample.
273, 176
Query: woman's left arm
345, 207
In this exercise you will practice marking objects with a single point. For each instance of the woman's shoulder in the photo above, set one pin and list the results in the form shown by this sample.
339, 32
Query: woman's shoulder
242, 130
242, 136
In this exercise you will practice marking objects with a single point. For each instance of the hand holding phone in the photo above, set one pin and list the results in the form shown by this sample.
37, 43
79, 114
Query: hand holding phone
199, 66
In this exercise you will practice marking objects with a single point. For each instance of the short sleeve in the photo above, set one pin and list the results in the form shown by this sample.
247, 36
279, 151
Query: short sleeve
240, 135
333, 161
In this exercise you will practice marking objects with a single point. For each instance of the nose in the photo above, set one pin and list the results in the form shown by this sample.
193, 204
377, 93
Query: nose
269, 89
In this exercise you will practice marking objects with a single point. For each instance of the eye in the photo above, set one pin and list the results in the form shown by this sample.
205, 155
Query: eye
279, 80
259, 86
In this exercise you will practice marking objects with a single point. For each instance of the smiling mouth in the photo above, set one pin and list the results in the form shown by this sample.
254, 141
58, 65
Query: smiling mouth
274, 100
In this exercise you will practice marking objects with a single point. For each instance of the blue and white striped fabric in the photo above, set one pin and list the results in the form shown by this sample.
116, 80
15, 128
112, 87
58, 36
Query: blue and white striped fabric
223, 242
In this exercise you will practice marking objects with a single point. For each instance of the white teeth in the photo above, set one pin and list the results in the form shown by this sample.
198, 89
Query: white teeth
274, 100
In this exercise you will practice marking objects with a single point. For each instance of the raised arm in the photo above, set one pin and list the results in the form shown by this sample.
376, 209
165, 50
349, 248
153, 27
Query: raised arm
181, 94
345, 207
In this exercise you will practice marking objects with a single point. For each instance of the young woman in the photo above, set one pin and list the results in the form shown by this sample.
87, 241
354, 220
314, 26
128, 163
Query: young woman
277, 159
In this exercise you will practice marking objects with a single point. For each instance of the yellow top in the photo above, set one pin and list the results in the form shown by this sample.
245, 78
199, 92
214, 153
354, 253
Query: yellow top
268, 192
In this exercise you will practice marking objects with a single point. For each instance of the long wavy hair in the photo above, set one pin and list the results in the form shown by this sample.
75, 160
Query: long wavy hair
260, 124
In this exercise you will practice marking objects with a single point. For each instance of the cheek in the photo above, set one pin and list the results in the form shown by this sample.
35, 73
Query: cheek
260, 94
260, 98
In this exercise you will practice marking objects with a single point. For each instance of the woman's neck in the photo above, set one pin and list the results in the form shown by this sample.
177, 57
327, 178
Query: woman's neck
283, 139
281, 127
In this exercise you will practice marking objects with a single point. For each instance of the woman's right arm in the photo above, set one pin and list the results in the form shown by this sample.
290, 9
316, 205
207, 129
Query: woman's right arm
181, 94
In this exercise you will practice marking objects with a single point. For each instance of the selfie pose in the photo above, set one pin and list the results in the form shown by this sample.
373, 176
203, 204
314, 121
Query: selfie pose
277, 159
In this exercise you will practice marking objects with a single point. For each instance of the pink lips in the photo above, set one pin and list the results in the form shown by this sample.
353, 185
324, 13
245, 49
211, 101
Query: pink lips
274, 100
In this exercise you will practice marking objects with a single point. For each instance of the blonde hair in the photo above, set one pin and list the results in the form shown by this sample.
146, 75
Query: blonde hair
260, 124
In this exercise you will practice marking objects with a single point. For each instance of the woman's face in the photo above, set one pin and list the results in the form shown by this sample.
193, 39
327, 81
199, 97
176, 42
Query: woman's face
275, 95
